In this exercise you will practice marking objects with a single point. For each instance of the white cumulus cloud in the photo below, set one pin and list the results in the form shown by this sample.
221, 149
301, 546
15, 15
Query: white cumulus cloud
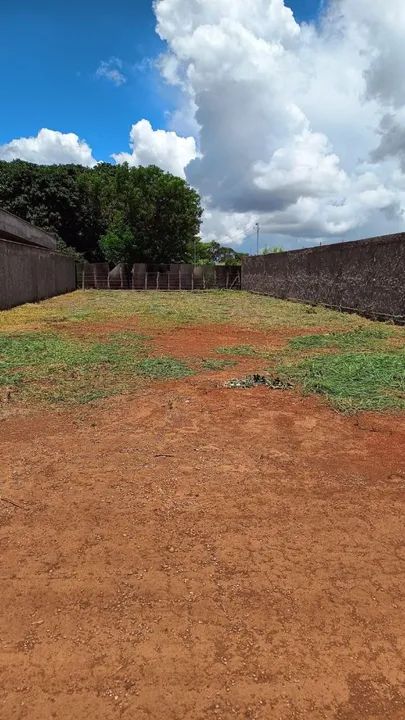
300, 127
49, 147
163, 148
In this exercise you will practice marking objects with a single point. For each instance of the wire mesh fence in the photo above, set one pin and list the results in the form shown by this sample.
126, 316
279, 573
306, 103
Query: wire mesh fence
173, 277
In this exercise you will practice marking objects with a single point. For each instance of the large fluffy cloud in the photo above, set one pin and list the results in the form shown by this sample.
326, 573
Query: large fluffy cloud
158, 147
49, 147
301, 127
166, 149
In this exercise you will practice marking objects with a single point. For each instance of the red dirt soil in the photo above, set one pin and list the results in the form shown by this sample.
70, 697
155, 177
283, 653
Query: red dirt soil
194, 552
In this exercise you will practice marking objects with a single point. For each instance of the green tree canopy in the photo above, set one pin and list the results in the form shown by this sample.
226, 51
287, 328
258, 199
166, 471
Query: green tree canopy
120, 213
212, 253
271, 250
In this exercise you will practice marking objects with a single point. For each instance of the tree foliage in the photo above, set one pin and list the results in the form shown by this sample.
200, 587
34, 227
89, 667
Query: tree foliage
272, 250
112, 212
212, 253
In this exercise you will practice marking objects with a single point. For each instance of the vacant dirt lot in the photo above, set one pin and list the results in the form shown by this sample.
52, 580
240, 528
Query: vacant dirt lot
192, 551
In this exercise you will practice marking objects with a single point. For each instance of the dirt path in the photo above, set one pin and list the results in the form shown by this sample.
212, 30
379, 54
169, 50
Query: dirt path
197, 552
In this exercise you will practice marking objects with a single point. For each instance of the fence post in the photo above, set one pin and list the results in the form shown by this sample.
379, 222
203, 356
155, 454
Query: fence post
192, 279
203, 278
146, 281
179, 278
157, 280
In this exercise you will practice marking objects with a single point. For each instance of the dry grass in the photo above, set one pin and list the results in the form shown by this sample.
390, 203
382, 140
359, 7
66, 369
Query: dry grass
174, 310
88, 345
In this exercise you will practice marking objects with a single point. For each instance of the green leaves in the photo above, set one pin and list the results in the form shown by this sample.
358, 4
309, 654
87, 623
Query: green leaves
151, 216
122, 214
212, 253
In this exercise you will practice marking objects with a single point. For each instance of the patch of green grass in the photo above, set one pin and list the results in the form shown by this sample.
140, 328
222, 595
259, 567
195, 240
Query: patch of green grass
354, 381
51, 367
52, 351
12, 378
163, 368
363, 338
211, 364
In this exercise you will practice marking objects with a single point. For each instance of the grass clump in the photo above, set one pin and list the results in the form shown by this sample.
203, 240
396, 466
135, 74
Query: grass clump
354, 381
163, 368
363, 338
212, 364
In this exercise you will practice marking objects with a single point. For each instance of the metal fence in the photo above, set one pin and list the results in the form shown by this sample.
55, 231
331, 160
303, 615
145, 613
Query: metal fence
172, 277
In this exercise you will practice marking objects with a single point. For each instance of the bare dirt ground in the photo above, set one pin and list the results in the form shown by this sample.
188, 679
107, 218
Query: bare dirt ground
196, 552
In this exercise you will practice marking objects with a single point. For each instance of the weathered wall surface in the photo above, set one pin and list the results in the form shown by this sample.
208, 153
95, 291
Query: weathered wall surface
29, 274
168, 277
18, 230
367, 276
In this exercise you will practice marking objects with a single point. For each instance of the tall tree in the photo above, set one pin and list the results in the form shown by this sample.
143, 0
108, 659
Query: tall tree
130, 214
212, 253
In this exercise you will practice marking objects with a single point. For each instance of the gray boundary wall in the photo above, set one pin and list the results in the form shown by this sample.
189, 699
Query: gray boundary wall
30, 274
365, 276
18, 230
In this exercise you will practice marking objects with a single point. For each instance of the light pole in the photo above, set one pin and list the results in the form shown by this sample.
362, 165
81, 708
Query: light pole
258, 237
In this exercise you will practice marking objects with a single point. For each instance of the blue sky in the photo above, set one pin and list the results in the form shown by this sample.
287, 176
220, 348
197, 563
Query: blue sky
48, 78
302, 131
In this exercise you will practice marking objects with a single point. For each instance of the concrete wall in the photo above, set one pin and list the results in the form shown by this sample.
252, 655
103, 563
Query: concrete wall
14, 228
95, 276
367, 276
168, 277
29, 274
